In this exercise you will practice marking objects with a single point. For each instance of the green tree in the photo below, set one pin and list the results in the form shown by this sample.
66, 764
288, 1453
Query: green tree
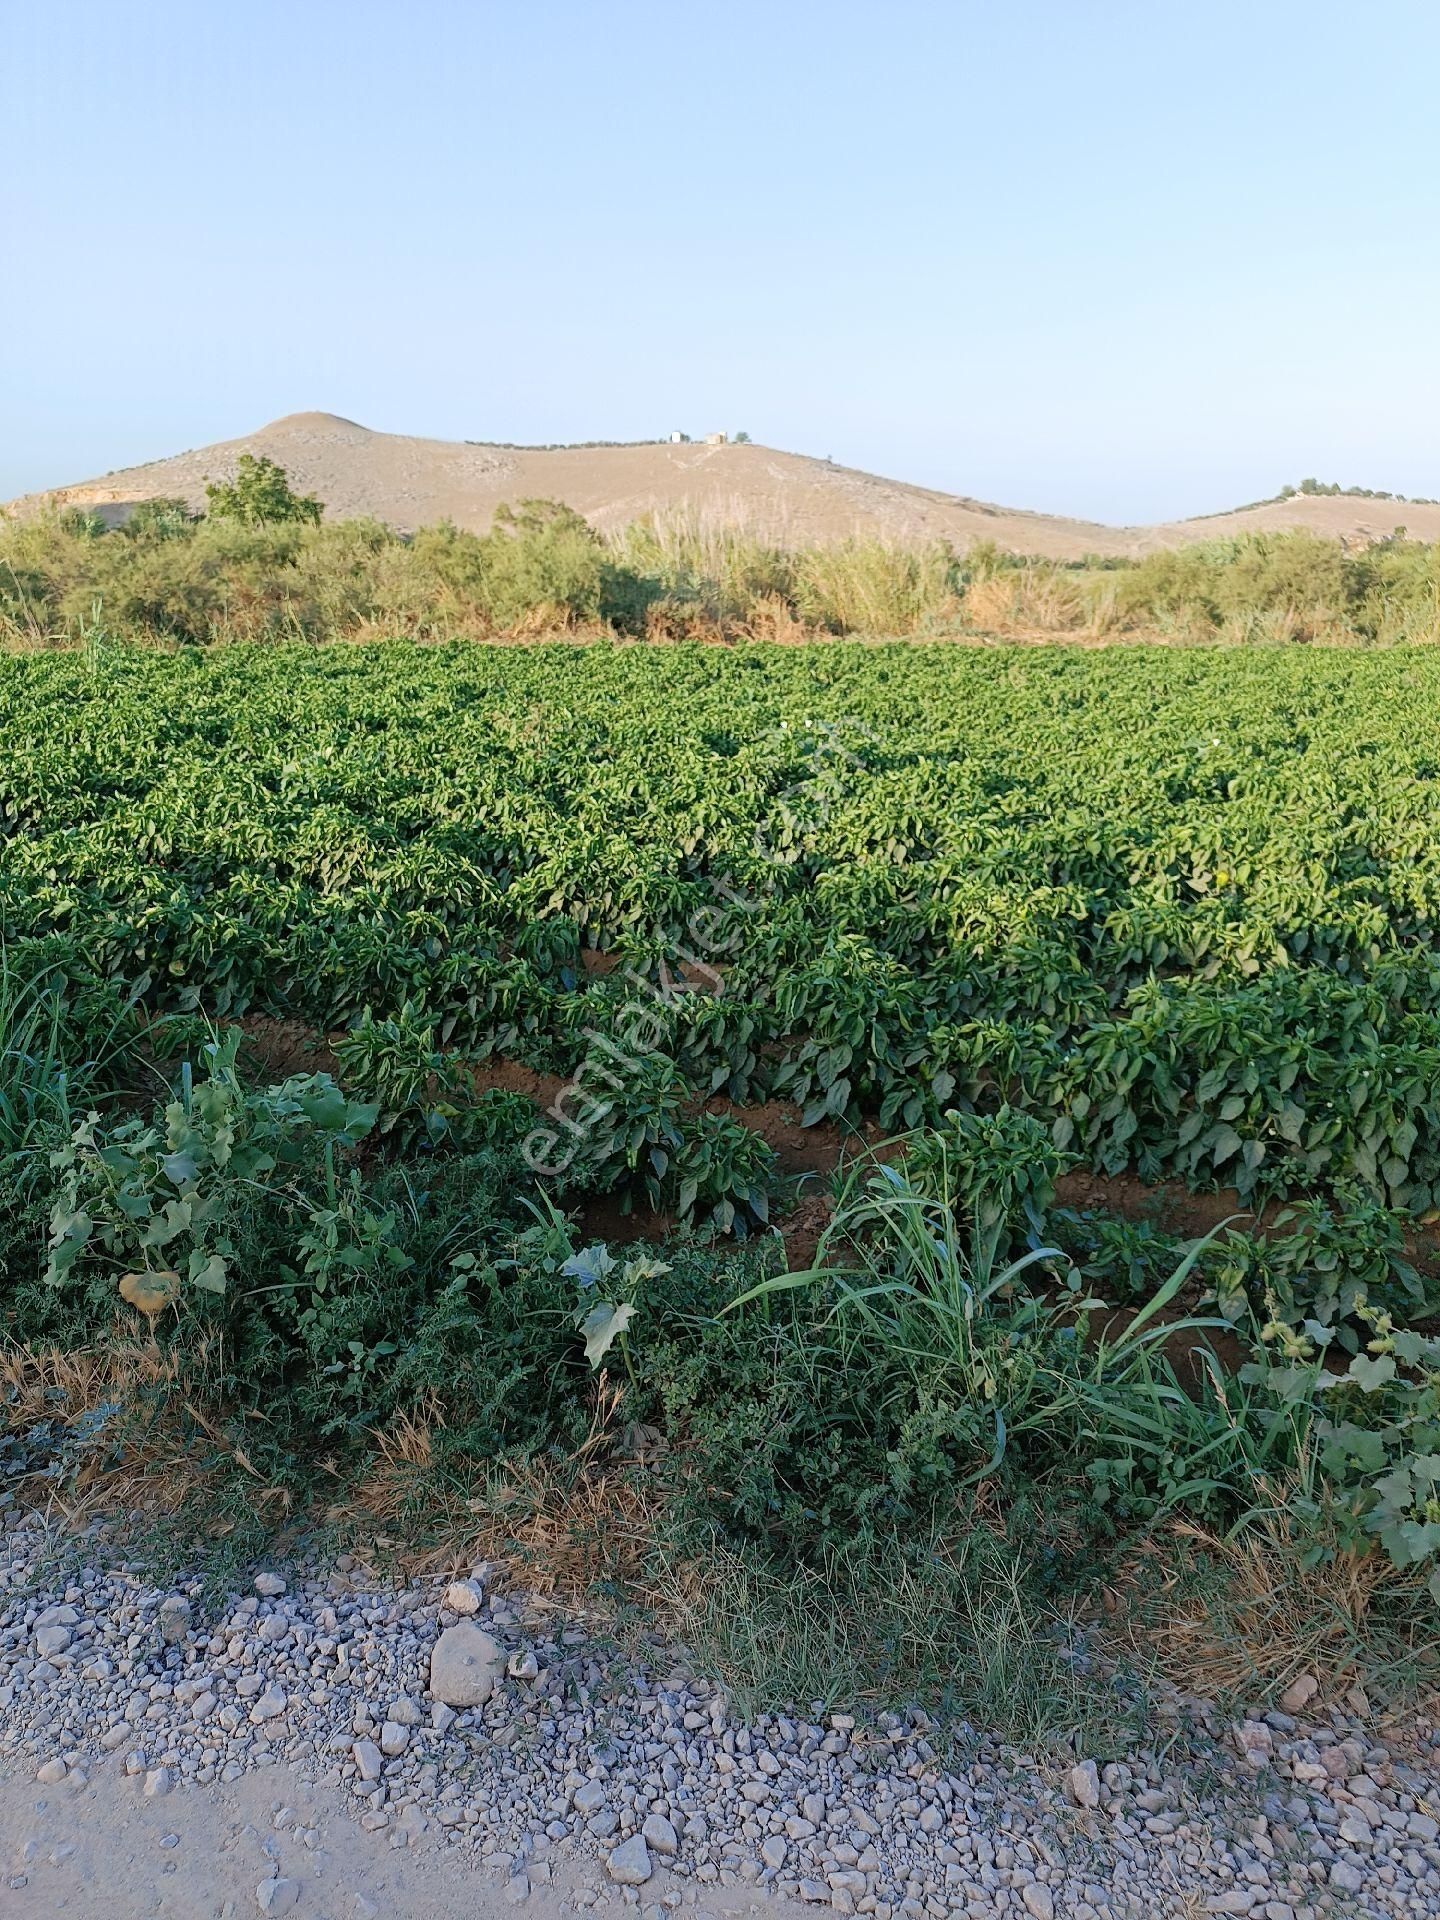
260, 495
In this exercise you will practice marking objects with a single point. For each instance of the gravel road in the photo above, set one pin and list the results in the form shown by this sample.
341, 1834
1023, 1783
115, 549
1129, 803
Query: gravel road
324, 1745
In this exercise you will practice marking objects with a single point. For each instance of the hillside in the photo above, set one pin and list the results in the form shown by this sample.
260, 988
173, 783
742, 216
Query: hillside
788, 497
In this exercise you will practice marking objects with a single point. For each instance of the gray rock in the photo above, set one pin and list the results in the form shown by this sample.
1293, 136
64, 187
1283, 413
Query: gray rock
870, 1822
659, 1835
1298, 1695
277, 1895
51, 1640
271, 1704
1082, 1784
464, 1596
629, 1863
176, 1617
269, 1585
464, 1665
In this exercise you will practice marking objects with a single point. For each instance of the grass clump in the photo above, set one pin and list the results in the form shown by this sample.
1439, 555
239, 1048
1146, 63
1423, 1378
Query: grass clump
961, 1620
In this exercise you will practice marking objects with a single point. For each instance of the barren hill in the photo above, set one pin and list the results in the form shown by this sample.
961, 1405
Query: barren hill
787, 497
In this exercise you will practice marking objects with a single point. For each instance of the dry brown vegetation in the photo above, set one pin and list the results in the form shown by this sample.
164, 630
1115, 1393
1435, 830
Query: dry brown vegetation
166, 579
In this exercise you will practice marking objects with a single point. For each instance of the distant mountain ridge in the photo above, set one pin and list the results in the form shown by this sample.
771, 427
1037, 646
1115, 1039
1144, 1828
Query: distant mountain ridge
792, 499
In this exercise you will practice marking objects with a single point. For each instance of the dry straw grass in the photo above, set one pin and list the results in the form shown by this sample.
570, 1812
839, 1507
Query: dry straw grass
568, 1525
1261, 1617
1030, 600
158, 1448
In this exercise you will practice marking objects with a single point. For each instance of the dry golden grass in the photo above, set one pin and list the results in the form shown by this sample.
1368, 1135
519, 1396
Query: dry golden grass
1026, 600
1262, 1617
773, 618
567, 1526
172, 1449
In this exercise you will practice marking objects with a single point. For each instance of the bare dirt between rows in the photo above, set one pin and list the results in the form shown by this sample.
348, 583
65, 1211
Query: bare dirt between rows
813, 1153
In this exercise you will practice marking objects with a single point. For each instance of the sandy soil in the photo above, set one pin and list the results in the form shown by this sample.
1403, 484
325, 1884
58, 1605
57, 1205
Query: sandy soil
104, 1851
787, 497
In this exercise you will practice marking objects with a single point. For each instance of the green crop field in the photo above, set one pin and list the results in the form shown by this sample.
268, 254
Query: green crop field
1158, 912
1180, 905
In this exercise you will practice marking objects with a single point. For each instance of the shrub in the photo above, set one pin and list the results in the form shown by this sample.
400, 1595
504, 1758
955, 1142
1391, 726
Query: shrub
1376, 1435
419, 1092
260, 495
164, 518
542, 564
541, 561
721, 1174
1322, 1263
140, 1198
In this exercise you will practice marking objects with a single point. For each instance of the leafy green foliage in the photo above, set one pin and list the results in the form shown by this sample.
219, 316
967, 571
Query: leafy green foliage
1188, 922
423, 1095
1376, 1428
1033, 908
610, 1293
996, 1357
159, 1196
1330, 1265
163, 518
996, 1170
632, 1128
63, 1032
1123, 1259
542, 566
260, 495
722, 1174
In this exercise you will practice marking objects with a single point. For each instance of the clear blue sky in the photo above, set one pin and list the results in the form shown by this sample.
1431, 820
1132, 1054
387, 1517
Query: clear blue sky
1120, 258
